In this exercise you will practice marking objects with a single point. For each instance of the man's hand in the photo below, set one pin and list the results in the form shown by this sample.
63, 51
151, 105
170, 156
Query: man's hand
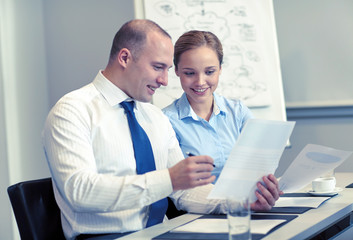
192, 172
266, 195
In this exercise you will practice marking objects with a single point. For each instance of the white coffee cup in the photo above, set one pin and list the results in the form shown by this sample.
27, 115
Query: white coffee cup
324, 184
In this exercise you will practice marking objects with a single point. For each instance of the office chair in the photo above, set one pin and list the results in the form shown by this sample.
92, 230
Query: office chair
36, 212
172, 211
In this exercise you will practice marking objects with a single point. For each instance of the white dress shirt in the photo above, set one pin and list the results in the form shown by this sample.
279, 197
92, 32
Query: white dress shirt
88, 147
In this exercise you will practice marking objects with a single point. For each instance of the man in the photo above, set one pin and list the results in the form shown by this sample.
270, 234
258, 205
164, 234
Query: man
90, 150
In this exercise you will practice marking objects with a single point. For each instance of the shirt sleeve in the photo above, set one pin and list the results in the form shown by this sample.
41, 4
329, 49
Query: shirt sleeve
67, 141
195, 201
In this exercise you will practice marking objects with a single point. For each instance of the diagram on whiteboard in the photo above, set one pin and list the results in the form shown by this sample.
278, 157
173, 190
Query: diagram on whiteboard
241, 27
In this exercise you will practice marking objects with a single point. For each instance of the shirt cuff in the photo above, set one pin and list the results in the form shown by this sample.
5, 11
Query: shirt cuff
159, 184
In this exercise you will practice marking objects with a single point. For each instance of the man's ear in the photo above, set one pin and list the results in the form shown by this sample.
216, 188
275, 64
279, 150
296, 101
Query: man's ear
124, 56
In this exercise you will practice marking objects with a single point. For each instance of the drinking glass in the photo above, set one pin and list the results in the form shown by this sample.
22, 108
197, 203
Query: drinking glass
238, 215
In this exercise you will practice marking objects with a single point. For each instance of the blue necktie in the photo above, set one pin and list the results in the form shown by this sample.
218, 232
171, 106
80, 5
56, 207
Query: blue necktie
144, 161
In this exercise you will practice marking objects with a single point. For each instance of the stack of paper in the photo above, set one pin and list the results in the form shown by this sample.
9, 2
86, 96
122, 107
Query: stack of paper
312, 202
221, 226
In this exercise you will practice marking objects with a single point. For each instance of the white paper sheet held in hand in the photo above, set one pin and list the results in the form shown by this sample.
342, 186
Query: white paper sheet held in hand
311, 162
255, 154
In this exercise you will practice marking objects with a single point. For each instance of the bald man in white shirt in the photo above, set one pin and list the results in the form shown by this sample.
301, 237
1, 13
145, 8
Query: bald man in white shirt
90, 154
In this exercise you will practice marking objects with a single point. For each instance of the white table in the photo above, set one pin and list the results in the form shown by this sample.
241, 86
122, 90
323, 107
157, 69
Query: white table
305, 226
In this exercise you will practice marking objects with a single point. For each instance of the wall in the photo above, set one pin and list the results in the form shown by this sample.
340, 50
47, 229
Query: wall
315, 41
23, 99
78, 42
5, 224
48, 48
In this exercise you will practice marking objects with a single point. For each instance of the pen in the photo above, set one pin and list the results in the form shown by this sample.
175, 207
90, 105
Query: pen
191, 155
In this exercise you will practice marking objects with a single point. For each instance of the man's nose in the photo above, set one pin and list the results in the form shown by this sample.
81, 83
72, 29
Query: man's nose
163, 79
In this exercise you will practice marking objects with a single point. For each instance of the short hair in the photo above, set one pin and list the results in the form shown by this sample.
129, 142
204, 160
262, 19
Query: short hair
194, 39
132, 35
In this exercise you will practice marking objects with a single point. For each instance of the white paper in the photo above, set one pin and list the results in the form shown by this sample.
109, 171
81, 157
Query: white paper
216, 225
255, 154
313, 202
312, 161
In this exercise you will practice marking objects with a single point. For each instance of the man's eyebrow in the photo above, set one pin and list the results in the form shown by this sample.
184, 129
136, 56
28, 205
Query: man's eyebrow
163, 65
160, 63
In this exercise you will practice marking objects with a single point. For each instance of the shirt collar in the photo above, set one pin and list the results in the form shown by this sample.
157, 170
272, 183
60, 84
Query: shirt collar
219, 105
113, 94
185, 109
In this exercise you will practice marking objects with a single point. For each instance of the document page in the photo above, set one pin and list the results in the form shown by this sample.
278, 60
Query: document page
256, 153
311, 162
313, 202
221, 226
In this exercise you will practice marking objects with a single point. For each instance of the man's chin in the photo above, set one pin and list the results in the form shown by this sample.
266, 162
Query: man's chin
146, 99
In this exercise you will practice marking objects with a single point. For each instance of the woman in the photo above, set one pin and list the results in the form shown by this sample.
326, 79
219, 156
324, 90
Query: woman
205, 123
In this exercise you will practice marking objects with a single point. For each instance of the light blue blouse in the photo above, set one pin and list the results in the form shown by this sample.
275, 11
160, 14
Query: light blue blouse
215, 137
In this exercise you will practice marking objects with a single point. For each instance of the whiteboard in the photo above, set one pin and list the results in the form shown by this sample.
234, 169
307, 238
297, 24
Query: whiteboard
246, 28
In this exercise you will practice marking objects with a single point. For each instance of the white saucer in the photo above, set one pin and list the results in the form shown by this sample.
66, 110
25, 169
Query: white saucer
334, 192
